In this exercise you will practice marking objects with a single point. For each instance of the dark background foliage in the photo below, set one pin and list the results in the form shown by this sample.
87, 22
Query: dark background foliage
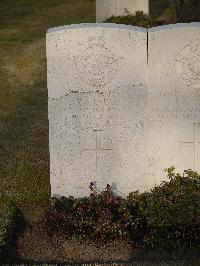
175, 11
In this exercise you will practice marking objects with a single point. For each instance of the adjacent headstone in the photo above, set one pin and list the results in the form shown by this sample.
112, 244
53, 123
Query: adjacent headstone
174, 98
97, 100
122, 109
107, 8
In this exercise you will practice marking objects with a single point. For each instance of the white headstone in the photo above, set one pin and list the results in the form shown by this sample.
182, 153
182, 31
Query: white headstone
97, 100
106, 8
122, 109
174, 101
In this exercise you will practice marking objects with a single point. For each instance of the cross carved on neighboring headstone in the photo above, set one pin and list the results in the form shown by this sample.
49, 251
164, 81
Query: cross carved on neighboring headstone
195, 143
97, 148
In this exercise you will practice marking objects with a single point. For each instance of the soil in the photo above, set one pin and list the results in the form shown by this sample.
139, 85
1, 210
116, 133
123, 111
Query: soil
33, 245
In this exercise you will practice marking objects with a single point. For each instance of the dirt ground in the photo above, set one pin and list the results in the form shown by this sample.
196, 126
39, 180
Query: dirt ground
33, 245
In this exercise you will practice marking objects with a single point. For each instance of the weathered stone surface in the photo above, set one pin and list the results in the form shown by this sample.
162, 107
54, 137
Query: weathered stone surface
174, 98
97, 100
120, 112
106, 8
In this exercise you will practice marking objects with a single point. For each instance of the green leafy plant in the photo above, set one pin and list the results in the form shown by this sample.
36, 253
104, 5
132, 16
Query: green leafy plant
172, 211
99, 216
139, 19
168, 216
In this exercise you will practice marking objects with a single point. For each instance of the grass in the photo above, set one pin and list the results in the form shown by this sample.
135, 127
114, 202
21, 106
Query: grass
24, 153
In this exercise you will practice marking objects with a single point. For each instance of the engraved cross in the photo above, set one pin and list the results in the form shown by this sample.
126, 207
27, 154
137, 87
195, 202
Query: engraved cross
97, 148
196, 144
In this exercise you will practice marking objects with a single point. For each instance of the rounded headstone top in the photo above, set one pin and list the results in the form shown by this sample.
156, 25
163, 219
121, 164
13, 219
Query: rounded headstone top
123, 26
96, 25
175, 26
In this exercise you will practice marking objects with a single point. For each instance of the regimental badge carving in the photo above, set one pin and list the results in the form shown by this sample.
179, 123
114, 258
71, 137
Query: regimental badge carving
187, 64
96, 65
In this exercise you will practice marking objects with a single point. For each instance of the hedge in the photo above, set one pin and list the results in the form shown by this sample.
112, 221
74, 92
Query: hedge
168, 216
